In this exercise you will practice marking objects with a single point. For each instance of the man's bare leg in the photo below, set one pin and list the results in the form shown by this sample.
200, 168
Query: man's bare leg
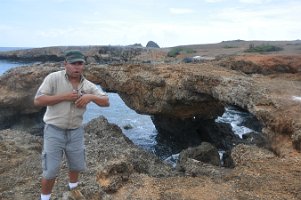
47, 185
73, 176
73, 183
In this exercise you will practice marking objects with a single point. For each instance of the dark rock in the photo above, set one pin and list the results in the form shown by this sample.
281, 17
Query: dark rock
203, 160
176, 134
255, 138
205, 152
116, 146
127, 126
227, 160
113, 175
31, 123
187, 60
152, 44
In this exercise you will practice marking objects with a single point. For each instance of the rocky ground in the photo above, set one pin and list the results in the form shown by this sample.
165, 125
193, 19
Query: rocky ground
266, 84
119, 170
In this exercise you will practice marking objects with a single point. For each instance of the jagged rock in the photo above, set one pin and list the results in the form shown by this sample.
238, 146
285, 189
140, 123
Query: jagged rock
257, 139
112, 176
205, 152
178, 134
117, 146
152, 44
243, 154
188, 90
256, 170
203, 160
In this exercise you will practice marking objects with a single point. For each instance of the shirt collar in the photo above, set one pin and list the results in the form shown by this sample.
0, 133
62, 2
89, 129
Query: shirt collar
82, 78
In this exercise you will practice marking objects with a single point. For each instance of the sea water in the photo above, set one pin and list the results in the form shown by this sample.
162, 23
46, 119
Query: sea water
137, 127
6, 65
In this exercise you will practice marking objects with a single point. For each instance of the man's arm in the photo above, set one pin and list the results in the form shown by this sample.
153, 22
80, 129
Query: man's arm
87, 98
48, 100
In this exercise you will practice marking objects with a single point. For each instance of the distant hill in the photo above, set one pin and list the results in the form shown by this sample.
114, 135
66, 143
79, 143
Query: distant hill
13, 48
118, 54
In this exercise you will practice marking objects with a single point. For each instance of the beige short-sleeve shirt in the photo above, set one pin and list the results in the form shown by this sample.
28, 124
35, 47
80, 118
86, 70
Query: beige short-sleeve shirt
65, 114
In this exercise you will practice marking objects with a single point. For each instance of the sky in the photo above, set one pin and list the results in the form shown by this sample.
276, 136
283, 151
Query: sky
43, 23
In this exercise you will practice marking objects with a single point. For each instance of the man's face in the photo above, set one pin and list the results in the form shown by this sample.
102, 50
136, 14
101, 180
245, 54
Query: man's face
74, 70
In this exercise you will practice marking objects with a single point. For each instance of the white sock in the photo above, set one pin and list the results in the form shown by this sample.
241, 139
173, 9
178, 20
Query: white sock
45, 196
73, 185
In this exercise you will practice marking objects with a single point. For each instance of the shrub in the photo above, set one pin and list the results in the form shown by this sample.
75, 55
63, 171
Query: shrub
229, 47
178, 50
263, 48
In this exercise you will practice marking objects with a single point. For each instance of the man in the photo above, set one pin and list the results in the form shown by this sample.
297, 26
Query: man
66, 94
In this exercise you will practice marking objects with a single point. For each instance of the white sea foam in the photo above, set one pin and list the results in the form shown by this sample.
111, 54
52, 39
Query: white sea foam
296, 98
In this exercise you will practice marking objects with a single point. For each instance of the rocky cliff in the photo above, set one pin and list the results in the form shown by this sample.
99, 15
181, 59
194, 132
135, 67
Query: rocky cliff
183, 91
201, 90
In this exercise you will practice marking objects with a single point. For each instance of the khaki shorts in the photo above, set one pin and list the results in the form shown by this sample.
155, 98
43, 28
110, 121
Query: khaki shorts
58, 142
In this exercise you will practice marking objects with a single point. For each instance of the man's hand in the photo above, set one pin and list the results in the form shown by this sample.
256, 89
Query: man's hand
71, 96
83, 100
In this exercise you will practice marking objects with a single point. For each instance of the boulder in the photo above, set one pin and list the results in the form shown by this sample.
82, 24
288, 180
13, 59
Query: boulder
205, 152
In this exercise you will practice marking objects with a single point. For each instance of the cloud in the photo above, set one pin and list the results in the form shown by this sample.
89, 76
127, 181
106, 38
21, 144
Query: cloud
214, 1
180, 11
208, 25
254, 1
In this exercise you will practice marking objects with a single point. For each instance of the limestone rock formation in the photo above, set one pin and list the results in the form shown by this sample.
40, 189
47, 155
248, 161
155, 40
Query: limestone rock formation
18, 88
181, 91
188, 90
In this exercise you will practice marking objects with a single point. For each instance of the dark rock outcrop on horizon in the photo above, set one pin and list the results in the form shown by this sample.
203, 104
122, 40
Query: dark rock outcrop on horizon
152, 44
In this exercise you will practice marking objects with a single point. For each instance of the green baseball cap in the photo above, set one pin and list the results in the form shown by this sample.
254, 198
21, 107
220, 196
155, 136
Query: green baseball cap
74, 56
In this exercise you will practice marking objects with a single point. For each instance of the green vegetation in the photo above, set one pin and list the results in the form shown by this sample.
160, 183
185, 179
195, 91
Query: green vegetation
263, 48
229, 47
178, 50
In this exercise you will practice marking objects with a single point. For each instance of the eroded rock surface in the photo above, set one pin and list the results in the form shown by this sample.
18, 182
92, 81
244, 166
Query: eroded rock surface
117, 169
178, 90
188, 90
